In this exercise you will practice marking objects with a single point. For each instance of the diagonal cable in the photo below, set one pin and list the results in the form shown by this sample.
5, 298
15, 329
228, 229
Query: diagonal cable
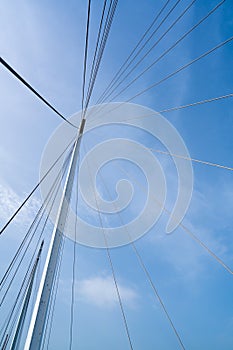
166, 51
172, 109
53, 192
20, 78
11, 320
97, 44
145, 268
186, 229
223, 43
146, 54
196, 103
191, 159
110, 262
106, 31
51, 309
74, 267
34, 189
130, 60
85, 52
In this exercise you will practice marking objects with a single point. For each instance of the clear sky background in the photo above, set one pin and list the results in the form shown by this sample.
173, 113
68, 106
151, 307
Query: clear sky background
44, 41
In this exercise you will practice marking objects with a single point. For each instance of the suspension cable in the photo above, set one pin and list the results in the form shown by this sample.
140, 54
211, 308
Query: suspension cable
196, 103
51, 308
29, 242
182, 68
21, 320
186, 229
85, 52
19, 300
101, 50
44, 208
173, 74
189, 232
193, 104
145, 268
20, 78
157, 294
147, 53
166, 51
191, 159
110, 262
73, 284
34, 189
97, 44
120, 72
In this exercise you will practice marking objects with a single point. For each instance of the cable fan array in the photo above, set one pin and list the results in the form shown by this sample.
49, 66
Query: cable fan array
18, 283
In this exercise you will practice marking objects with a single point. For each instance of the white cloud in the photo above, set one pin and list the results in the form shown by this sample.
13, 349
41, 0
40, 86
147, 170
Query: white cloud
101, 291
10, 201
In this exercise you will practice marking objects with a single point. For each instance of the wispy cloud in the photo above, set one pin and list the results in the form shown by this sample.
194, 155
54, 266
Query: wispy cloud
205, 221
100, 291
10, 201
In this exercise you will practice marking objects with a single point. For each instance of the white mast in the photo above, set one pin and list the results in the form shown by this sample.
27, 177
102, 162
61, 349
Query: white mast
36, 328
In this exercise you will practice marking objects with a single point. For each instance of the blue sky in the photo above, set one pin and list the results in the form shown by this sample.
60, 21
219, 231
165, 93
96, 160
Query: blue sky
44, 42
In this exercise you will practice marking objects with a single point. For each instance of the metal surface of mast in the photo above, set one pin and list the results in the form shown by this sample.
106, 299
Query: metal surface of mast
37, 324
18, 333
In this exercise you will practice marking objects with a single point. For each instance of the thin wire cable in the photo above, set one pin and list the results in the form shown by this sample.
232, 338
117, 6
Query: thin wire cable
97, 44
85, 52
144, 268
48, 214
55, 297
118, 294
191, 159
157, 294
196, 103
44, 208
170, 48
191, 234
19, 250
187, 158
173, 73
40, 236
165, 52
21, 293
193, 104
11, 265
147, 53
10, 322
20, 78
101, 51
73, 269
27, 300
9, 317
182, 68
110, 261
38, 240
132, 52
34, 189
140, 50
49, 319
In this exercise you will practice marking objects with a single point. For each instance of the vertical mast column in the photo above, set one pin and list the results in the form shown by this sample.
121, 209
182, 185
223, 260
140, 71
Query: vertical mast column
36, 328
